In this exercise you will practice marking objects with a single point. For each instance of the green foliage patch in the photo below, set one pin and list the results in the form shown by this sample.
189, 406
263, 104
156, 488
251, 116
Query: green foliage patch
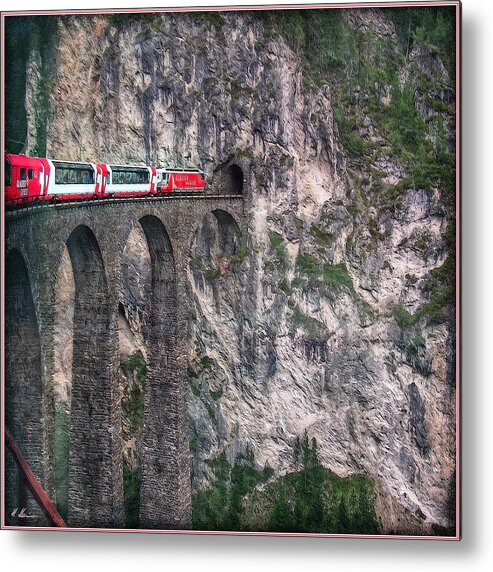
279, 249
332, 276
131, 496
311, 499
315, 500
314, 328
220, 507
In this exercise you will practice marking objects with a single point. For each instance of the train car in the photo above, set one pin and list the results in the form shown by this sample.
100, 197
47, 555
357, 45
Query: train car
24, 179
127, 180
70, 180
31, 179
180, 180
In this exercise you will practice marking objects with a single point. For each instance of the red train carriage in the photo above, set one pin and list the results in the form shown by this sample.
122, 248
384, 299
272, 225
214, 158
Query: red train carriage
29, 179
24, 179
180, 180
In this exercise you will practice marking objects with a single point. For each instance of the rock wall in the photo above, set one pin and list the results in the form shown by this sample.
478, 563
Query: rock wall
323, 324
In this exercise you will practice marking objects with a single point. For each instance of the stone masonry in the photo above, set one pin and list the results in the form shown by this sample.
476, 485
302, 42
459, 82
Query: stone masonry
95, 236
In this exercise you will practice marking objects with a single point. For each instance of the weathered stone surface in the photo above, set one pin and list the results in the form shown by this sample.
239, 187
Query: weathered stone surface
95, 238
272, 351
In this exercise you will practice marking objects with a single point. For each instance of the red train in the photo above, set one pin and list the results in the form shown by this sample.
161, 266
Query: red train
31, 179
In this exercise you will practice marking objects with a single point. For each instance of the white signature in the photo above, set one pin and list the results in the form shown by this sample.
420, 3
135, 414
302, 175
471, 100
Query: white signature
21, 513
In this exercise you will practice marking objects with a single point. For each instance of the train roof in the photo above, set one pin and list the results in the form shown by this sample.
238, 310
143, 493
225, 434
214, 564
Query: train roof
73, 163
182, 169
112, 165
22, 160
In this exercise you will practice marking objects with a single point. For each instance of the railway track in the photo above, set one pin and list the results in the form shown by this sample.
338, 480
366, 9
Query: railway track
22, 210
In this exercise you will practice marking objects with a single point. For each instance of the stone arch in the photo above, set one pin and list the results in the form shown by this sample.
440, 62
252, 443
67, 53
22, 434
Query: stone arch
229, 232
95, 480
23, 384
63, 328
133, 328
165, 475
214, 247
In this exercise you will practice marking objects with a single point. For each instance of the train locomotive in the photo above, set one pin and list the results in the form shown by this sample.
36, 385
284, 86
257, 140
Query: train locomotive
34, 179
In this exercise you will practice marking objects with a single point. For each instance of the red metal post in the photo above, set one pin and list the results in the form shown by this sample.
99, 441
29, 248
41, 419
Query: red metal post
34, 486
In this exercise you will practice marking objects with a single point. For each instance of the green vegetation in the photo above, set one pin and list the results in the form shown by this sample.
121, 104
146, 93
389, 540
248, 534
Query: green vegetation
315, 500
431, 27
220, 507
357, 63
279, 249
319, 37
440, 288
210, 272
61, 447
193, 445
332, 276
414, 347
131, 496
25, 36
311, 499
284, 286
206, 362
238, 258
321, 236
314, 328
213, 18
216, 394
404, 319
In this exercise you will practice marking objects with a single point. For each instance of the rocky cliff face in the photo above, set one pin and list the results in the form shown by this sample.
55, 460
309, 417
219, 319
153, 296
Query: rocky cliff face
335, 319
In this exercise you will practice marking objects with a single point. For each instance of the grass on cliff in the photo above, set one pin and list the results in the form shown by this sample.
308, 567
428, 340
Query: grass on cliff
311, 499
279, 249
220, 507
332, 276
357, 65
440, 289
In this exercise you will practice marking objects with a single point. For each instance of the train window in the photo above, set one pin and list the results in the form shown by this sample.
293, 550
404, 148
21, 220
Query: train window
130, 175
8, 173
73, 173
30, 173
23, 174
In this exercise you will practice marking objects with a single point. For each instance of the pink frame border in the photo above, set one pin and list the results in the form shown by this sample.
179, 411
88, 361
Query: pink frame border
458, 340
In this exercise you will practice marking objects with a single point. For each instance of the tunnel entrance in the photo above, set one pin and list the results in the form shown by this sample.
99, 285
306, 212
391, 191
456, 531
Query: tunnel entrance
235, 180
23, 386
228, 179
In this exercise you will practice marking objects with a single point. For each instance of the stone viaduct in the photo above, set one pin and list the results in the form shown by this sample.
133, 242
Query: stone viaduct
95, 236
